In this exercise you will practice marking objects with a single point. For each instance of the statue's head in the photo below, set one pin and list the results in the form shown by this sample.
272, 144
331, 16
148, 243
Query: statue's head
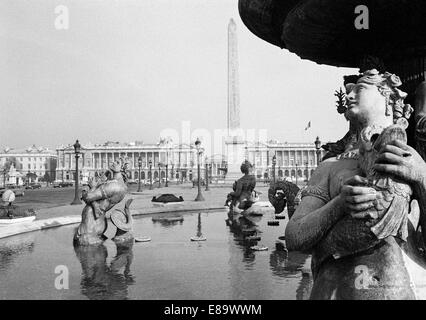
376, 95
115, 166
246, 167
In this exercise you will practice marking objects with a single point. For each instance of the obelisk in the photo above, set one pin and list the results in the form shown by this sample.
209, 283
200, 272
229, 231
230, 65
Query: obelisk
234, 143
233, 81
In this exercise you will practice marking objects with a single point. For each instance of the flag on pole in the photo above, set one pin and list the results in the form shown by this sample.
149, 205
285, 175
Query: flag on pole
308, 126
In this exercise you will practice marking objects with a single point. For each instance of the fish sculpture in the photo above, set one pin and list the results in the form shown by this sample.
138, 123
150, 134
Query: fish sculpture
389, 217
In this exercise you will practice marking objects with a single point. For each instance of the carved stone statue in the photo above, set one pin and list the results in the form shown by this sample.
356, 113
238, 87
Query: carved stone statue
122, 223
283, 193
388, 217
243, 195
354, 214
10, 211
103, 195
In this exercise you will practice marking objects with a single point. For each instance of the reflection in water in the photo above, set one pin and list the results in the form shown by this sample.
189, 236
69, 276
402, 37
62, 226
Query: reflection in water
199, 233
12, 248
168, 223
243, 228
282, 263
170, 267
303, 291
285, 264
103, 281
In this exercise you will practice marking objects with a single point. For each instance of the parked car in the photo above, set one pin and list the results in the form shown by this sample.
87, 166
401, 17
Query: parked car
33, 186
62, 184
66, 184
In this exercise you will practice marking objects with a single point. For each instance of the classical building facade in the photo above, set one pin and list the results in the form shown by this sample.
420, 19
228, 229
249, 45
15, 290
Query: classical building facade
29, 164
179, 162
294, 161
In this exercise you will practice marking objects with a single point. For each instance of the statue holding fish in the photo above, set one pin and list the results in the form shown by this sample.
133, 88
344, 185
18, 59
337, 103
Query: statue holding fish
361, 210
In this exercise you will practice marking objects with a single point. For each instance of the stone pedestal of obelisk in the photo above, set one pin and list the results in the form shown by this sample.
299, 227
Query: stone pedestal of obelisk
235, 142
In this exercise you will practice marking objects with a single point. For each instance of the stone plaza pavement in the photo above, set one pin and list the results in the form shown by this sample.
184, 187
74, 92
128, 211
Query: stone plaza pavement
141, 205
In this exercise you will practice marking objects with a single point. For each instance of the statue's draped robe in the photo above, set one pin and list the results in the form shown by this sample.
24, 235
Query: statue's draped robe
421, 136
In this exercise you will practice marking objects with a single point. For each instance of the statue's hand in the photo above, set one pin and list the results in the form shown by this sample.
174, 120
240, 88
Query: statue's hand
356, 197
402, 161
91, 182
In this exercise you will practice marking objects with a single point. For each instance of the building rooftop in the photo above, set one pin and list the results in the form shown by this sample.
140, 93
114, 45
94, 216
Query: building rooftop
29, 150
126, 145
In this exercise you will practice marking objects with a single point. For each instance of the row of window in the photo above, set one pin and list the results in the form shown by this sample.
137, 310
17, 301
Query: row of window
30, 166
22, 159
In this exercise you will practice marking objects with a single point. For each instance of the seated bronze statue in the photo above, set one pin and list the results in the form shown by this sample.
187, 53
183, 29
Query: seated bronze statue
243, 195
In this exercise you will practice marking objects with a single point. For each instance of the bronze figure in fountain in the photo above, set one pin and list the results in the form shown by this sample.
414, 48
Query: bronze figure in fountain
361, 210
104, 193
243, 195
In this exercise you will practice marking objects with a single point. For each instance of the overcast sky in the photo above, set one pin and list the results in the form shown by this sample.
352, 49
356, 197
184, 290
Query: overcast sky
127, 70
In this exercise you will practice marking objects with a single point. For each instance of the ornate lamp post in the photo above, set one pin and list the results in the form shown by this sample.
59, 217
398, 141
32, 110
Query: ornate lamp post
150, 174
307, 172
159, 175
274, 162
207, 175
173, 171
318, 147
77, 148
4, 177
198, 146
166, 184
139, 180
296, 172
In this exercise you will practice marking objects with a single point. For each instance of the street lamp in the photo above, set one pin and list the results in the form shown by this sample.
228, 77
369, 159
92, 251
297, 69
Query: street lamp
207, 174
307, 172
139, 165
167, 165
172, 174
4, 177
77, 148
296, 172
159, 175
198, 146
318, 147
150, 174
210, 172
274, 162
